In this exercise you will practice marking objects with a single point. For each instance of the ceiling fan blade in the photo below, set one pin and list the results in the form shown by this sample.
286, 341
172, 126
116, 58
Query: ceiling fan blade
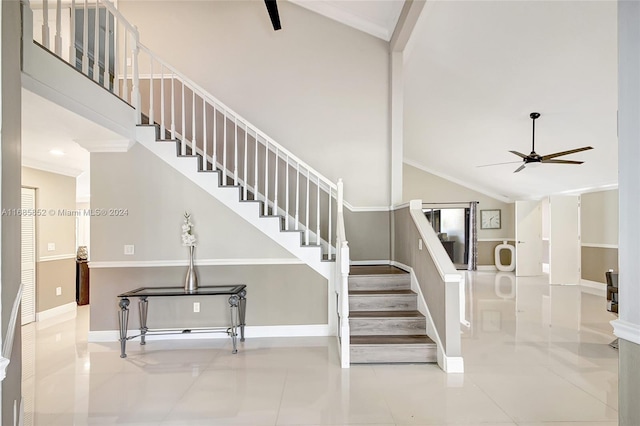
561, 162
520, 168
498, 164
519, 154
572, 151
272, 8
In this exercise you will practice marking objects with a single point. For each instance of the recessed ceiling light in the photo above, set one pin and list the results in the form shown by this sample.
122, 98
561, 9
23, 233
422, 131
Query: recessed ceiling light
57, 152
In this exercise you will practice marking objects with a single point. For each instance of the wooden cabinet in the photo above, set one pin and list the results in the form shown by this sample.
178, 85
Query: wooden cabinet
82, 282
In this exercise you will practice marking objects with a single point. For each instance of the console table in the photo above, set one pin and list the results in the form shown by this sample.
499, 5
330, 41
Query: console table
237, 304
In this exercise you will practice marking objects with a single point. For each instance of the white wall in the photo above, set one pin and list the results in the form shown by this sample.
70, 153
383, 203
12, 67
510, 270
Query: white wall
317, 87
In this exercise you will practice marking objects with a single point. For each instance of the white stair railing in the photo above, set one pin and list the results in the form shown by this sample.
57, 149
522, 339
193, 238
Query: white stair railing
107, 50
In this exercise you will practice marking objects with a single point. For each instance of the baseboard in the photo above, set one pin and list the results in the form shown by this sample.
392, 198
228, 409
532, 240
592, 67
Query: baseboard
451, 364
319, 330
488, 268
597, 288
58, 310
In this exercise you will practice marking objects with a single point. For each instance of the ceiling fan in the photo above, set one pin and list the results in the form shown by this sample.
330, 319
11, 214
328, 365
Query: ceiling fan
534, 158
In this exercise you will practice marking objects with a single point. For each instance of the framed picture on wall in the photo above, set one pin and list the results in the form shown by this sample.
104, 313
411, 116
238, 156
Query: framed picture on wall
490, 219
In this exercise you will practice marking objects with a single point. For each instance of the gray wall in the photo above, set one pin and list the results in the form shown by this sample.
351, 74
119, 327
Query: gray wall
10, 158
317, 87
276, 295
368, 234
54, 192
599, 227
155, 197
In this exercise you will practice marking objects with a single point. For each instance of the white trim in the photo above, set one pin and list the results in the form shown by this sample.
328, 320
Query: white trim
447, 364
607, 246
46, 166
56, 257
58, 310
502, 198
545, 268
487, 268
626, 330
314, 330
599, 288
598, 188
495, 240
199, 262
400, 206
370, 262
371, 209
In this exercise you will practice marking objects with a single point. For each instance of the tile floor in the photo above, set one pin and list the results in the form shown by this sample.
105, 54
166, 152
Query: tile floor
534, 354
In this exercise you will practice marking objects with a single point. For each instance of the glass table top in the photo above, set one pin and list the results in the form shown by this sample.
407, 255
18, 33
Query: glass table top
179, 291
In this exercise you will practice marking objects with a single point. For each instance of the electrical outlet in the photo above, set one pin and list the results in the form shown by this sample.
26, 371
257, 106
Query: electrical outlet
129, 249
51, 246
58, 291
419, 243
196, 307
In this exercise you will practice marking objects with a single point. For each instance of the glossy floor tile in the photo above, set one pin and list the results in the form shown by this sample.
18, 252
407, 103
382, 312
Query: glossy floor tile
534, 355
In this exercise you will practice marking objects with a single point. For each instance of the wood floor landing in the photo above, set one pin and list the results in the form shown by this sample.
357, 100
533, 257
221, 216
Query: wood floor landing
375, 270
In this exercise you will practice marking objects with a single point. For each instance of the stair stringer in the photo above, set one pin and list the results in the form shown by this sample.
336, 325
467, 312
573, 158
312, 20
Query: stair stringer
230, 197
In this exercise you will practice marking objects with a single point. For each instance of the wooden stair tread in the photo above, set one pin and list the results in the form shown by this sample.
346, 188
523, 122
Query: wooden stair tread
385, 314
375, 270
391, 340
380, 292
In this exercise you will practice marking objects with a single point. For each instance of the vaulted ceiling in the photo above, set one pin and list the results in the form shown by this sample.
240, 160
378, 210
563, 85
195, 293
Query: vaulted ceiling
474, 70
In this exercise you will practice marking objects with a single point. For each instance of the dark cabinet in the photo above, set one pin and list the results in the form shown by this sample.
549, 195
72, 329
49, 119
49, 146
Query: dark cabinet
448, 246
82, 282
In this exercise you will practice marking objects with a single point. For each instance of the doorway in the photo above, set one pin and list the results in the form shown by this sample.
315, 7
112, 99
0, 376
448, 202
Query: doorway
452, 224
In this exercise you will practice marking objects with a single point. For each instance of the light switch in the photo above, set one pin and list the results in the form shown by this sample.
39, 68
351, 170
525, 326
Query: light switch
129, 249
51, 246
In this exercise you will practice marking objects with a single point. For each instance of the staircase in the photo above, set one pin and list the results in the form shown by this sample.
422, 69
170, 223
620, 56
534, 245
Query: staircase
386, 326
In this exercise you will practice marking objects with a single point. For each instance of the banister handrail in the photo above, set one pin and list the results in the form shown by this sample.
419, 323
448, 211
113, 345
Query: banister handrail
282, 151
121, 19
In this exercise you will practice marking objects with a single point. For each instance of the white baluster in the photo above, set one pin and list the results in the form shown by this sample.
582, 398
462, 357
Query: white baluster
204, 134
275, 191
214, 159
297, 195
329, 246
151, 116
307, 224
45, 23
183, 145
319, 240
96, 43
224, 148
107, 41
173, 107
286, 188
163, 128
194, 143
58, 37
246, 162
235, 151
255, 169
116, 59
85, 40
266, 179
72, 25
135, 73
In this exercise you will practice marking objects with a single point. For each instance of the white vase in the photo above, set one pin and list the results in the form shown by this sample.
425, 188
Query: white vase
191, 280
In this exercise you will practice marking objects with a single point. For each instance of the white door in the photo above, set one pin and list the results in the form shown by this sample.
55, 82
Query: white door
28, 256
564, 239
528, 238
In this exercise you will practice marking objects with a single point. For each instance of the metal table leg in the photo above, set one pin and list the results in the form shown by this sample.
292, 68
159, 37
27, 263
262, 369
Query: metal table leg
233, 304
123, 319
242, 308
143, 304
